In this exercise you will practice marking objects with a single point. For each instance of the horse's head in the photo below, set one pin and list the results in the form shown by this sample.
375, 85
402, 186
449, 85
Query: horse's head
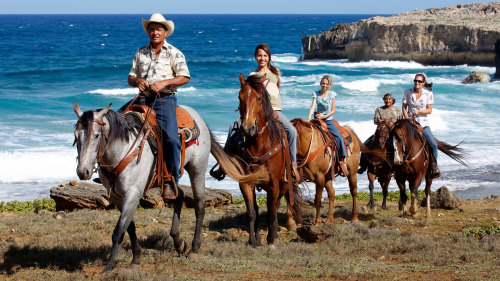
399, 136
254, 105
382, 133
88, 139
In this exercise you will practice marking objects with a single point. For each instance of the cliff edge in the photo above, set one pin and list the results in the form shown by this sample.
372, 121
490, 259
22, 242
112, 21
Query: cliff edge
462, 34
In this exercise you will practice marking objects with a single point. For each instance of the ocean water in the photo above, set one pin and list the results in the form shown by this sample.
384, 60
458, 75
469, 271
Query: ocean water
49, 61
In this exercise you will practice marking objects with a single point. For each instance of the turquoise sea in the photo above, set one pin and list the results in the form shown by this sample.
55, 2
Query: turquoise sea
49, 61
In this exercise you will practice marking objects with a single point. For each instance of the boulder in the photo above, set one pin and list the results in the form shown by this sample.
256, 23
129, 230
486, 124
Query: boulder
462, 34
81, 195
313, 234
477, 77
84, 195
442, 198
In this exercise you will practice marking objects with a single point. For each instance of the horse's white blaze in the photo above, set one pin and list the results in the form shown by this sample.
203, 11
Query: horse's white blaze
397, 158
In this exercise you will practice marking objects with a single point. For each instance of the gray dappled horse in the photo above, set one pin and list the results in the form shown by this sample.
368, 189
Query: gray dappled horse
105, 137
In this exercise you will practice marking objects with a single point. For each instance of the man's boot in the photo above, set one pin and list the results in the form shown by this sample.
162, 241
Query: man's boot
169, 191
363, 164
343, 169
295, 173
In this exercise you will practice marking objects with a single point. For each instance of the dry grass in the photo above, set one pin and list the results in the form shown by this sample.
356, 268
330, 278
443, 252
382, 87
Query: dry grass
384, 245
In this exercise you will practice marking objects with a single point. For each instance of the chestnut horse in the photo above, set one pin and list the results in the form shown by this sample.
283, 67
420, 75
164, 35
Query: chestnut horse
315, 164
265, 147
378, 168
411, 162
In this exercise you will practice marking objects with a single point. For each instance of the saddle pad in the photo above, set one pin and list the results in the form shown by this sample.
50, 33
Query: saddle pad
185, 122
342, 130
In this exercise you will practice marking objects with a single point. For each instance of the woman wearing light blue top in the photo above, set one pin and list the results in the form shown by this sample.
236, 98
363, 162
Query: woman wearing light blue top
324, 103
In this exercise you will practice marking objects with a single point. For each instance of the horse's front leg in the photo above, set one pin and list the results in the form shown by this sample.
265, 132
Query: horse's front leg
273, 201
402, 196
414, 184
384, 183
198, 186
248, 192
331, 199
136, 248
128, 208
179, 243
371, 179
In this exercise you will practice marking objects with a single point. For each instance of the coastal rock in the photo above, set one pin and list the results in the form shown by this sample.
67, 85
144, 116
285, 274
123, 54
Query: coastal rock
465, 34
84, 195
442, 198
497, 58
477, 77
313, 234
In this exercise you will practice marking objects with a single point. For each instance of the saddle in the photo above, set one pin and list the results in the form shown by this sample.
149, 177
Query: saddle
188, 134
333, 143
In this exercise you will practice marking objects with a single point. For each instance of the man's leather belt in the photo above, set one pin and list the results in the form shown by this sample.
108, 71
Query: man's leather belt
162, 94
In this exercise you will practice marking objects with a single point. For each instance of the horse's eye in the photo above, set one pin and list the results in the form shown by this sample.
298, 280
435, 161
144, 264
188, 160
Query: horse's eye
96, 136
259, 99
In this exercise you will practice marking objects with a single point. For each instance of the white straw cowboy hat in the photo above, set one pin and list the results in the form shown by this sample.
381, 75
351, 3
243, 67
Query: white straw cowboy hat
158, 18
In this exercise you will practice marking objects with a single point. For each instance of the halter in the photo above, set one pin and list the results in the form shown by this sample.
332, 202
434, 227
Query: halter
407, 161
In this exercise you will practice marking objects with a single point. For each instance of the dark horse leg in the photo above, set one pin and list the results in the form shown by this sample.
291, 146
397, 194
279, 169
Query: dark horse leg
248, 193
179, 244
371, 178
125, 222
273, 201
199, 209
402, 195
384, 183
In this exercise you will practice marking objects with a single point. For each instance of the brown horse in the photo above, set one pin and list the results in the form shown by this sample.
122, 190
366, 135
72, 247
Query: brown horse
378, 168
265, 147
411, 162
315, 164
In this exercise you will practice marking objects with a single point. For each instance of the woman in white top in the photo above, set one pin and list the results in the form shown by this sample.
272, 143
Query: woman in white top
417, 104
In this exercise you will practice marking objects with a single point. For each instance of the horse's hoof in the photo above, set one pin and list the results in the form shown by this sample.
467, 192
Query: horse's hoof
292, 227
182, 248
193, 256
108, 267
272, 247
330, 221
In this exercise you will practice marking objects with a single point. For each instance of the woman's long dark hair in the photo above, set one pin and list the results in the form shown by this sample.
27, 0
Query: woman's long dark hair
265, 48
427, 85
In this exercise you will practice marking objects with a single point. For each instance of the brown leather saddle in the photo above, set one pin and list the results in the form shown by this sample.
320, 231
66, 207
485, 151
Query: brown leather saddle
333, 143
188, 134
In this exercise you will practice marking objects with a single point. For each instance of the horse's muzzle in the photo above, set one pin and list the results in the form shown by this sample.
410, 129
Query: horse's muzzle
250, 130
83, 173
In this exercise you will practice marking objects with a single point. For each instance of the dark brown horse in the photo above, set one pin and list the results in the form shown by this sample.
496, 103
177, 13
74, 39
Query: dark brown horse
315, 163
378, 168
265, 147
411, 162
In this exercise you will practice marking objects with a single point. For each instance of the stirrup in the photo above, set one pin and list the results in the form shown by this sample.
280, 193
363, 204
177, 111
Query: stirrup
217, 174
169, 191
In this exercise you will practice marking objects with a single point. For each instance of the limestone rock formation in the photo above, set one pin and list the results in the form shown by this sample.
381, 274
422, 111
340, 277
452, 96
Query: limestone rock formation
477, 77
442, 198
83, 195
462, 34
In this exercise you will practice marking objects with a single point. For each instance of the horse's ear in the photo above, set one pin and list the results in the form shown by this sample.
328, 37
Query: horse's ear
102, 112
77, 110
242, 79
263, 78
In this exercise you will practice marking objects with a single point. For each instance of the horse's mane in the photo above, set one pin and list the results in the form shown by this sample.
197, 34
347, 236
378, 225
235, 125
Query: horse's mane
256, 83
120, 125
413, 132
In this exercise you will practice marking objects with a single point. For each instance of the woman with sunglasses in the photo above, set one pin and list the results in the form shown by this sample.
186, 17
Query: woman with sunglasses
417, 104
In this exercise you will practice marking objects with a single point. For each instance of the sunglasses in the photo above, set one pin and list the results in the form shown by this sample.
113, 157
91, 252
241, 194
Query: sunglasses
418, 81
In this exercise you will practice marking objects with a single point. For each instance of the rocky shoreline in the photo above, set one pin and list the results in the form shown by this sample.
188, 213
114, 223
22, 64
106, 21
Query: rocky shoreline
462, 34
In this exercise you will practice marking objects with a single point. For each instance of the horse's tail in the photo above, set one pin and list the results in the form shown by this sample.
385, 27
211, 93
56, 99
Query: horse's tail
298, 203
362, 147
233, 167
453, 151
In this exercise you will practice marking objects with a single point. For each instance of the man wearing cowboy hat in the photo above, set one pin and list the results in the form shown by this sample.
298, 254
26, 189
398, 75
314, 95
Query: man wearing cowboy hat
157, 70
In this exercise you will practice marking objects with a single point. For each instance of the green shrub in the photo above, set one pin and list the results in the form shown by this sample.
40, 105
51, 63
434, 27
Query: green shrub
391, 195
481, 231
28, 206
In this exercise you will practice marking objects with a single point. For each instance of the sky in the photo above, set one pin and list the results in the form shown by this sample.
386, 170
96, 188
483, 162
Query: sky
220, 6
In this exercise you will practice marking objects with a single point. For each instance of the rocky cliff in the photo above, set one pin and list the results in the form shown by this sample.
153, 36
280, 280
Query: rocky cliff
462, 34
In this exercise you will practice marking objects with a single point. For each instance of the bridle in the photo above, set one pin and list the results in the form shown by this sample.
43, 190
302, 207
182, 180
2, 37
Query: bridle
406, 160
